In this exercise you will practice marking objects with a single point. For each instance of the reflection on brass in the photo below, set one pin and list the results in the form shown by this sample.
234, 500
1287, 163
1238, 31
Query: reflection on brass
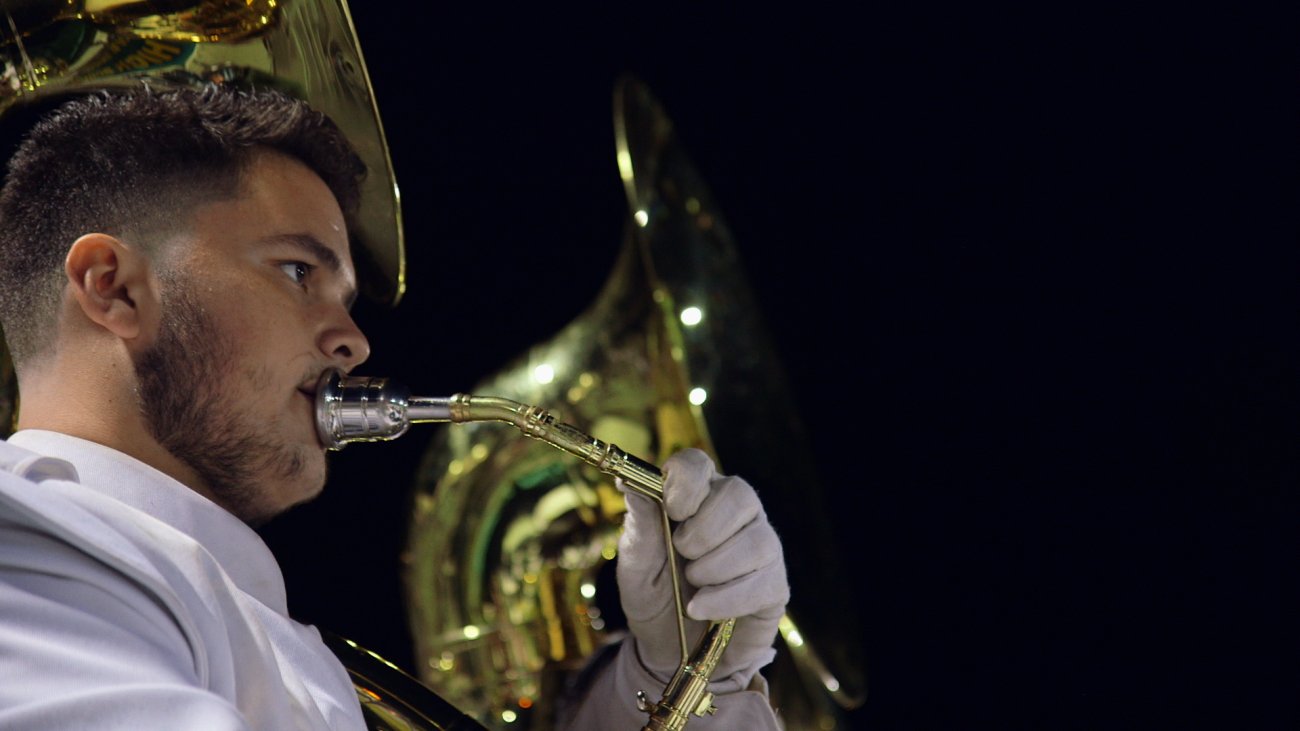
508, 538
390, 699
307, 48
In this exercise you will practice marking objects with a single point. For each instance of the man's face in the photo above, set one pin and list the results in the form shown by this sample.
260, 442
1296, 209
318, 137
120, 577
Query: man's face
254, 307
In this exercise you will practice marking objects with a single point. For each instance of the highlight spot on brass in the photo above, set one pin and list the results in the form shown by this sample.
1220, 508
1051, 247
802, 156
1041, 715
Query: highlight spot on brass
544, 373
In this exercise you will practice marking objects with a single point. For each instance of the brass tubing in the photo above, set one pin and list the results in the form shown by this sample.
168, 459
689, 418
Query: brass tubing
640, 476
358, 409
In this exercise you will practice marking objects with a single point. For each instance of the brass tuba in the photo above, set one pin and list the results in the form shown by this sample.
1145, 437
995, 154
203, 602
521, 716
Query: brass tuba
507, 567
52, 49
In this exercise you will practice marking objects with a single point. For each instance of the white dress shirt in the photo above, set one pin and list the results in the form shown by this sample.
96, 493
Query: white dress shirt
129, 601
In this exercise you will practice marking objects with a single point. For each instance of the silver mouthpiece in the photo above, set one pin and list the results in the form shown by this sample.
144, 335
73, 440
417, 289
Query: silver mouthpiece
363, 409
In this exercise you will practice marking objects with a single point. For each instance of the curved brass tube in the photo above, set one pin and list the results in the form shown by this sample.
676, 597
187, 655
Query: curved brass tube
362, 409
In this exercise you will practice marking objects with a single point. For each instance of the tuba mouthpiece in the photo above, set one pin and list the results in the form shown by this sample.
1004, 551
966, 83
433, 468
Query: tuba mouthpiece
367, 409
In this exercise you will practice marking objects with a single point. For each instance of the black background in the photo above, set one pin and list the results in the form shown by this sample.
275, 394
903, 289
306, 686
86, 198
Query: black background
1015, 269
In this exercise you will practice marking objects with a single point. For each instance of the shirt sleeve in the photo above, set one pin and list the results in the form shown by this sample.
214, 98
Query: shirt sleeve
83, 646
610, 700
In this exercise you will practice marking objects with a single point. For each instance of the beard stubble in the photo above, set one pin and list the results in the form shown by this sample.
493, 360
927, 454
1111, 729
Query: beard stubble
184, 382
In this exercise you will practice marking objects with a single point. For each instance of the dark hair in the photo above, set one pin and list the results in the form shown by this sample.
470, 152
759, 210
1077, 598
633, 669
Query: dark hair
135, 162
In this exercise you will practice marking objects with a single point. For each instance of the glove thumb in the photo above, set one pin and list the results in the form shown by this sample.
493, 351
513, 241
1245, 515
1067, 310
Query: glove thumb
643, 580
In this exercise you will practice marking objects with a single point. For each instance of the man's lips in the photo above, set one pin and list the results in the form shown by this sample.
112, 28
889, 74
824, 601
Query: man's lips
310, 395
308, 387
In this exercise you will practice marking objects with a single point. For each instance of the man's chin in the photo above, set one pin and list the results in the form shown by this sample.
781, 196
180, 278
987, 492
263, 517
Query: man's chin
309, 483
269, 512
282, 494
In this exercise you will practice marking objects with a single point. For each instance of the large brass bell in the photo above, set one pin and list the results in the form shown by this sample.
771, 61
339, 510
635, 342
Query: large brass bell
506, 567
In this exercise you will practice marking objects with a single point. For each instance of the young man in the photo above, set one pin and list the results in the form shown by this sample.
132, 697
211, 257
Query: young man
175, 274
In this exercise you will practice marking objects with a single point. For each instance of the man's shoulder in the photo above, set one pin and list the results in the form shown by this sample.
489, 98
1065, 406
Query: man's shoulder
40, 495
70, 551
50, 524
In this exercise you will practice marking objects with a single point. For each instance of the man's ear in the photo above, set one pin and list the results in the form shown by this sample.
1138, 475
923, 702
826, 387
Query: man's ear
109, 281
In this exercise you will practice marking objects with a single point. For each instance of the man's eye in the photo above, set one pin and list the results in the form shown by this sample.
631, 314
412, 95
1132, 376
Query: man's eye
297, 271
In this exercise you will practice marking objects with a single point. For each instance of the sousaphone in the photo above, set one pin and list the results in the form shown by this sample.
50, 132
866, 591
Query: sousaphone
508, 571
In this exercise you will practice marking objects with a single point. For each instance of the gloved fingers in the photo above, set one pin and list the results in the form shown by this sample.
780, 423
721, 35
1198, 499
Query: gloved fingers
751, 645
735, 671
752, 593
687, 475
647, 596
763, 617
758, 630
730, 506
641, 541
651, 606
643, 580
636, 502
639, 507
754, 547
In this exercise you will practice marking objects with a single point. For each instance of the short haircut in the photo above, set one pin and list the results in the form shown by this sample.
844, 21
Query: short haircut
135, 162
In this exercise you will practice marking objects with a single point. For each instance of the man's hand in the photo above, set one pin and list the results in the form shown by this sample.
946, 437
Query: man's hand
733, 568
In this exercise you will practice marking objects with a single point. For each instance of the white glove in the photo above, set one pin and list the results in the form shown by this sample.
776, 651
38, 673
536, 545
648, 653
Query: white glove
733, 568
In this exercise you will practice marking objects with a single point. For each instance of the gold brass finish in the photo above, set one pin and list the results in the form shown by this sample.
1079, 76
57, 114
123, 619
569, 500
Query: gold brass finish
508, 538
307, 48
366, 409
505, 549
691, 258
688, 691
351, 408
390, 699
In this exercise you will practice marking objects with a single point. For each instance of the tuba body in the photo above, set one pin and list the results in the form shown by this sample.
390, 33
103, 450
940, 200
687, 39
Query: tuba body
508, 564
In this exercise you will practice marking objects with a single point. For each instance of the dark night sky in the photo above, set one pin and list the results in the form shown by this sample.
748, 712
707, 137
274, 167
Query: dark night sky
1044, 352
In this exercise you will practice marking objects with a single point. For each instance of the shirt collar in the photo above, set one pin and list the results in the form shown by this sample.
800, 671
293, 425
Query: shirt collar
239, 550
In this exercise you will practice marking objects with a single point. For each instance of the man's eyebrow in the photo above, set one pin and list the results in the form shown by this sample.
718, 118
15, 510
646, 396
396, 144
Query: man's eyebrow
310, 244
324, 254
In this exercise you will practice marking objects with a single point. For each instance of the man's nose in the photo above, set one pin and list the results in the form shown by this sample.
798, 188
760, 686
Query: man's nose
344, 343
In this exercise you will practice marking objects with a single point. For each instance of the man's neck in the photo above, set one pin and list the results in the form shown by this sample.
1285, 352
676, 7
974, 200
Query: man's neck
100, 410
